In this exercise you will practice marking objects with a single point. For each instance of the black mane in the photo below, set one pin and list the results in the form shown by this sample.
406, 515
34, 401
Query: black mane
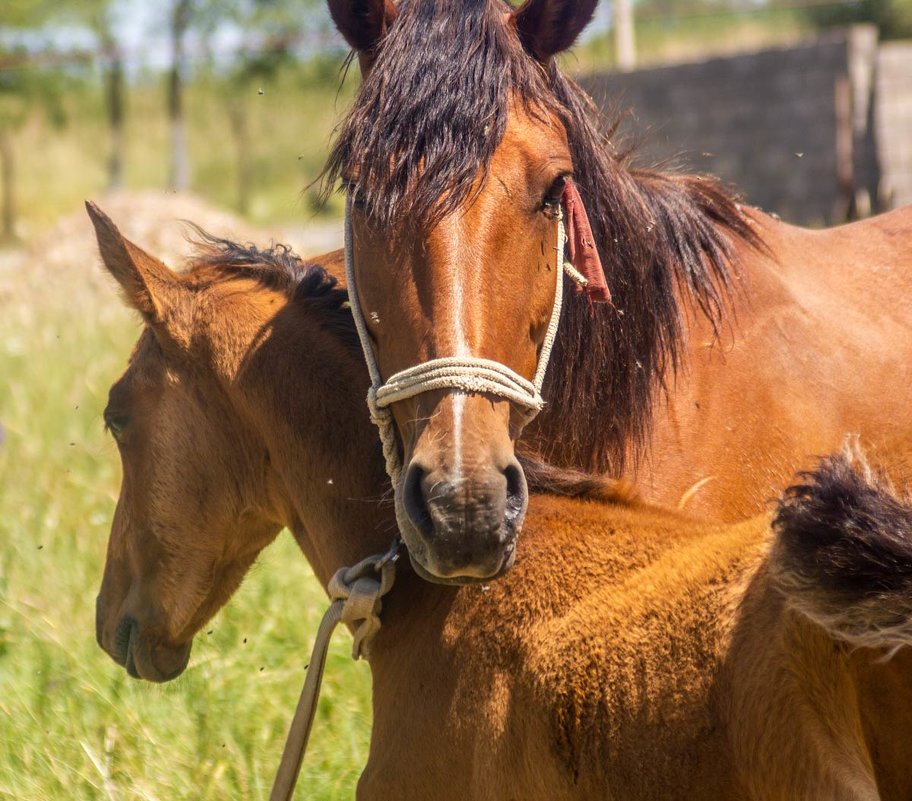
279, 268
418, 142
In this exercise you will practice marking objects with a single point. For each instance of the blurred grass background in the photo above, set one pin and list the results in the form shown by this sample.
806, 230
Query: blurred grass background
290, 125
290, 111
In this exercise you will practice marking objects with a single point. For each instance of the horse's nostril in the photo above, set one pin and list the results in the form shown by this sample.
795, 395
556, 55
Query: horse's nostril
415, 500
517, 491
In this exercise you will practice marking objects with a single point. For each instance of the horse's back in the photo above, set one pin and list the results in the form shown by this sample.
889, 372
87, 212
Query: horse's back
819, 347
860, 266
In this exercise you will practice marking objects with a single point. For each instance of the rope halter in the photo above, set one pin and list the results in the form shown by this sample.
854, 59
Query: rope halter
467, 374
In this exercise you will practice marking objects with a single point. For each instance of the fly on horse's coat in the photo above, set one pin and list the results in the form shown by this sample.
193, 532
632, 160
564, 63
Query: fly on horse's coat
630, 653
457, 157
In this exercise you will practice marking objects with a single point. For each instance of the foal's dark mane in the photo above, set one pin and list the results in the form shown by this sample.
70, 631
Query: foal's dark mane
281, 269
276, 267
425, 124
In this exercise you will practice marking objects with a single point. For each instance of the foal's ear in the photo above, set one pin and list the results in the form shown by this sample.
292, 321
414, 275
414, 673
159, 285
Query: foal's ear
363, 23
148, 285
548, 27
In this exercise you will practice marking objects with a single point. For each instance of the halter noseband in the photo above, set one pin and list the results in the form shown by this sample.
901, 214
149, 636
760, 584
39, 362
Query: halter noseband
465, 373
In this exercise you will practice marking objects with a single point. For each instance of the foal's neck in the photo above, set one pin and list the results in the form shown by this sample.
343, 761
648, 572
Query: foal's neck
327, 482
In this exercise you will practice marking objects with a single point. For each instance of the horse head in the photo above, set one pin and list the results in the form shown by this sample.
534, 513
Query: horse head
456, 160
190, 520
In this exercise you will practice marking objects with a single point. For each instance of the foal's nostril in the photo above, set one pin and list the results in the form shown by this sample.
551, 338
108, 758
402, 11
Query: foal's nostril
121, 644
517, 492
415, 500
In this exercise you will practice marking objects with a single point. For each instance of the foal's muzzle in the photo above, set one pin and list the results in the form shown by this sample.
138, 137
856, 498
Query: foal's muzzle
140, 656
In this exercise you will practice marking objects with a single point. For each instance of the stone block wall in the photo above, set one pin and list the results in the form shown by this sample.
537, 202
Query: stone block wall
817, 133
893, 121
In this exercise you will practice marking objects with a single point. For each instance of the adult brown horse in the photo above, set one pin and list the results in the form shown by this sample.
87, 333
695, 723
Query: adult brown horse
457, 156
630, 653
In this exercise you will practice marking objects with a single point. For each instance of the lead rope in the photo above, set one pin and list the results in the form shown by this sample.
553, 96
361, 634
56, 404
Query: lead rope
465, 373
356, 594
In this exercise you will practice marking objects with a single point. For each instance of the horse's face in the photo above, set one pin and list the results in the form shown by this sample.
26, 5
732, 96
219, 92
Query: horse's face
184, 532
478, 282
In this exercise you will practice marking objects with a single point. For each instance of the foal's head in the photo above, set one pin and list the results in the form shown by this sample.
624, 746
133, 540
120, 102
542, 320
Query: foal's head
455, 157
190, 518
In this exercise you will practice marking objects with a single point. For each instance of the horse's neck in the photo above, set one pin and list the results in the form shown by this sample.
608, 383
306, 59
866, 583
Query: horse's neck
326, 470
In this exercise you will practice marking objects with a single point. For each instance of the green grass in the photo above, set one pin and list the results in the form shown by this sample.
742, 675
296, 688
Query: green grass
73, 725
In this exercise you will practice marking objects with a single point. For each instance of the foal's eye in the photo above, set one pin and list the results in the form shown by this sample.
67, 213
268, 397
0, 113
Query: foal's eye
552, 201
116, 424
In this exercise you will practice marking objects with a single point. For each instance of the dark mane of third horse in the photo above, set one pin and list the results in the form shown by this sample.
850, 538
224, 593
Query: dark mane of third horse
429, 116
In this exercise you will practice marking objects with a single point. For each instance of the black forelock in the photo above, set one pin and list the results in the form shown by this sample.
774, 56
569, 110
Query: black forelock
433, 109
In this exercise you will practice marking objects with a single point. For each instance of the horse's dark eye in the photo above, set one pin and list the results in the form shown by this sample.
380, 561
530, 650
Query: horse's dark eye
357, 198
553, 196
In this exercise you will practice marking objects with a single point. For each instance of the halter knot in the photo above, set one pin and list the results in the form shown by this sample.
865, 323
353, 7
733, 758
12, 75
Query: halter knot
356, 594
360, 589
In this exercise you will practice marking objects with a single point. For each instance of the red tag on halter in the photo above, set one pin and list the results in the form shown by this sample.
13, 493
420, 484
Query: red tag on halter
581, 246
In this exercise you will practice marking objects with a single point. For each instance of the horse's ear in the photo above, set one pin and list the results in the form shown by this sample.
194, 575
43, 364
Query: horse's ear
363, 23
548, 27
148, 285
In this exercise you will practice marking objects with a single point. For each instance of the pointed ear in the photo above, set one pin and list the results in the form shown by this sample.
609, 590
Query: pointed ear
148, 285
548, 27
363, 23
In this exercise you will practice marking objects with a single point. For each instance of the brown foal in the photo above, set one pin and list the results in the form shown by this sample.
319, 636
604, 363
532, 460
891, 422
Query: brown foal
629, 654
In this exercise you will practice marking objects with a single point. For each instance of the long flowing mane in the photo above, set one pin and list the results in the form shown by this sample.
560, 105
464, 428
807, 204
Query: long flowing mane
663, 238
428, 118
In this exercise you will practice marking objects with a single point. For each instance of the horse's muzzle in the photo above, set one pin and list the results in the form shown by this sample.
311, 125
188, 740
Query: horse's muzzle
139, 656
461, 529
